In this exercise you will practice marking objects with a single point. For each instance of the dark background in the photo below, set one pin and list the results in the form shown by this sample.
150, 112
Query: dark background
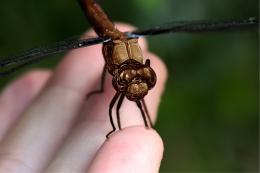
208, 117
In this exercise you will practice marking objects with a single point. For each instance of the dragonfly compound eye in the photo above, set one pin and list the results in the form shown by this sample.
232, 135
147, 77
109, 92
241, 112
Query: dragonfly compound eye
148, 75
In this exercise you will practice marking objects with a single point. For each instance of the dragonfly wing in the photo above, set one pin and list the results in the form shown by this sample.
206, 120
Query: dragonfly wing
12, 63
197, 26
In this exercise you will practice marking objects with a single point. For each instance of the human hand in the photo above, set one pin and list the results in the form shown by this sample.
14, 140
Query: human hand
47, 125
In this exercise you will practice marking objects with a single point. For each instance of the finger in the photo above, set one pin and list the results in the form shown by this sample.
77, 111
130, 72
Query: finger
134, 149
31, 144
18, 95
89, 132
81, 146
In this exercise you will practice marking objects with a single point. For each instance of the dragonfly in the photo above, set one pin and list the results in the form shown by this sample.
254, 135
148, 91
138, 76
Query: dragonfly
12, 63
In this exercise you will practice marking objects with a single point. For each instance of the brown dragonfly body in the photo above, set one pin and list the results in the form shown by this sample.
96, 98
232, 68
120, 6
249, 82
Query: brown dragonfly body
132, 78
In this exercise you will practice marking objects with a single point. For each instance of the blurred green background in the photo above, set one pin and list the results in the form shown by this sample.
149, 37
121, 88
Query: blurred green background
208, 117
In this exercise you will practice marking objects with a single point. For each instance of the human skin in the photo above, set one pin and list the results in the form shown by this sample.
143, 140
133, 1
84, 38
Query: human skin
47, 125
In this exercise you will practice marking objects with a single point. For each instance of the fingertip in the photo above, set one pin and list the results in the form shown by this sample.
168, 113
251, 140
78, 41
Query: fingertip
80, 69
136, 136
30, 82
133, 149
18, 95
34, 76
21, 91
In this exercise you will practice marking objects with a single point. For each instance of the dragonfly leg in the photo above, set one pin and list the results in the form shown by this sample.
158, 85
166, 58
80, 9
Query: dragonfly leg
101, 89
112, 103
139, 105
147, 113
119, 104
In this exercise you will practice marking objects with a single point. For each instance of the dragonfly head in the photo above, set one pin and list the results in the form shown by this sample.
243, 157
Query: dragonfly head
134, 79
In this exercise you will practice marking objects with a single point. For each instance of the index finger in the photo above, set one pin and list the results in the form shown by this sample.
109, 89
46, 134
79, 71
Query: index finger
135, 149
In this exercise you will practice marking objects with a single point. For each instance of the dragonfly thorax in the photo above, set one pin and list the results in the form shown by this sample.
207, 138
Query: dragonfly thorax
116, 52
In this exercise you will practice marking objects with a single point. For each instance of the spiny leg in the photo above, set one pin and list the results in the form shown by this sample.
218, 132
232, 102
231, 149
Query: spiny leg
112, 103
142, 112
101, 89
147, 113
119, 104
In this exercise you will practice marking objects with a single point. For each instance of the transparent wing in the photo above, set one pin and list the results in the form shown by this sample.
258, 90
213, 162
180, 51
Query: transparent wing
197, 27
12, 63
